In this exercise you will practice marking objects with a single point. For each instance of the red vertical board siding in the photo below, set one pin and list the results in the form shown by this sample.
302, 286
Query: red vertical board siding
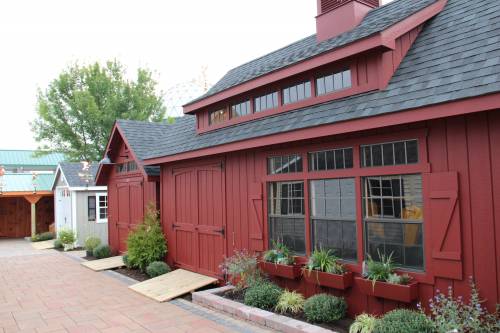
494, 131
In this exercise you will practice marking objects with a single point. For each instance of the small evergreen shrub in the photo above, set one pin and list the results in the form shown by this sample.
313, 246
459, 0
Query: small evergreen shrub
102, 251
263, 295
290, 302
58, 244
67, 236
364, 323
44, 236
404, 320
323, 308
157, 268
126, 262
147, 243
91, 243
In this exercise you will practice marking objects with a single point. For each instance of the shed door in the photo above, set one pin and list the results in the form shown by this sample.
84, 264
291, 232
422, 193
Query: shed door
63, 209
199, 219
130, 209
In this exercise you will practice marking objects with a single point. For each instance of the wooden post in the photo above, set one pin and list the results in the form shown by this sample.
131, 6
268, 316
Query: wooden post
33, 199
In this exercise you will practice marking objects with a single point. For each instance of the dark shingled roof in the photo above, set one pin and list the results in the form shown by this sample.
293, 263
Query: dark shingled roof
71, 171
376, 20
456, 56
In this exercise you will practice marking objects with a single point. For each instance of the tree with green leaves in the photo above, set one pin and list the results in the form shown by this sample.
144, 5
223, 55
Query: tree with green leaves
77, 111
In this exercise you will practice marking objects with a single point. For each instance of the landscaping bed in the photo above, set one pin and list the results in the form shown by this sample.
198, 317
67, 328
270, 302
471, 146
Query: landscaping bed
133, 273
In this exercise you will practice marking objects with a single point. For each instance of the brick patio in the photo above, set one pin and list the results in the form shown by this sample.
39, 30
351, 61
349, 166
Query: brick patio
52, 292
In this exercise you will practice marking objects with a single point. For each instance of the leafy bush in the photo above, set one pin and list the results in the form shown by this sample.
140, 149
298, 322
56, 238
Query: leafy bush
44, 236
66, 236
264, 295
102, 251
325, 261
126, 262
404, 320
290, 302
364, 323
91, 243
323, 308
58, 244
279, 254
241, 265
147, 243
157, 268
451, 313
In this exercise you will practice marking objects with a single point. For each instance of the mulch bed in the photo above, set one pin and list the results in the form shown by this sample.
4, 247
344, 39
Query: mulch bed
133, 273
341, 326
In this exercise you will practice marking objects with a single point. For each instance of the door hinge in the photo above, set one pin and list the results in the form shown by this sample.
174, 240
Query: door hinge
221, 231
175, 226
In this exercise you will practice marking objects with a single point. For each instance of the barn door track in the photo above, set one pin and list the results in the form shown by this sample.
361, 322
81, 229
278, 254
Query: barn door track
104, 264
171, 285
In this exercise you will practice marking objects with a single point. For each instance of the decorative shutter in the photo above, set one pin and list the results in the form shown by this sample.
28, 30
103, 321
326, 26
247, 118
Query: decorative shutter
256, 218
442, 221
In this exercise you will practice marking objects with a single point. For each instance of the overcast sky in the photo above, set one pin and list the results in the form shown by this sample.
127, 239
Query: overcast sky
176, 39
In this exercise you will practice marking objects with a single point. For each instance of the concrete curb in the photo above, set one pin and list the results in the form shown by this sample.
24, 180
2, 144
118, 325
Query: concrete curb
211, 299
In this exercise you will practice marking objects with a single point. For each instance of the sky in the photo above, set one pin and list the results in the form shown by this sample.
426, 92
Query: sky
175, 39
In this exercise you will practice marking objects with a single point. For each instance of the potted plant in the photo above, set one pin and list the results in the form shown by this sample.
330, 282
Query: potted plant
279, 261
381, 280
324, 269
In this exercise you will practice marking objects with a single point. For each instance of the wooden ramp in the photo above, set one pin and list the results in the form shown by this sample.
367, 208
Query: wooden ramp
171, 285
43, 245
104, 264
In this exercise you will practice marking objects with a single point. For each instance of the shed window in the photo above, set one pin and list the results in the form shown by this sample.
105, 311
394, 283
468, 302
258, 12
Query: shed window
393, 217
333, 82
91, 208
240, 109
219, 116
286, 214
297, 92
284, 164
131, 166
266, 102
103, 207
333, 216
390, 153
331, 159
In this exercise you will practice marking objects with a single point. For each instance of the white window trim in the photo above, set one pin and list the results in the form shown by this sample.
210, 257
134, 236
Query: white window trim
97, 206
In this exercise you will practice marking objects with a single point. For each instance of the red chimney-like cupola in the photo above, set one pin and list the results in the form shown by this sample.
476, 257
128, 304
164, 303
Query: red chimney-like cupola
338, 16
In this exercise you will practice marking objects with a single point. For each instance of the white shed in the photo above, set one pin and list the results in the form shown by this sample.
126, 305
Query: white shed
79, 205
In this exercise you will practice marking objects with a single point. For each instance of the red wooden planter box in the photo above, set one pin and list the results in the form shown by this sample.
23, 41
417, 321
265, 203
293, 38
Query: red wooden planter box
285, 271
336, 281
396, 292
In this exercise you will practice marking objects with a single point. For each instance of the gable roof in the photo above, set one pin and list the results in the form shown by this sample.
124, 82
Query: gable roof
23, 182
71, 170
456, 56
24, 158
375, 21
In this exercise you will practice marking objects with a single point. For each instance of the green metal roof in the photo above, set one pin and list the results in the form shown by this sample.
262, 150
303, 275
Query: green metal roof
23, 182
26, 158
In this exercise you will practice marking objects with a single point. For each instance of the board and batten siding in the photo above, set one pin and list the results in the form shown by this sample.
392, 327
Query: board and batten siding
84, 227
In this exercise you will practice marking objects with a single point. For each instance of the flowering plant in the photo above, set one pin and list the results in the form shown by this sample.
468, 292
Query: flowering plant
242, 266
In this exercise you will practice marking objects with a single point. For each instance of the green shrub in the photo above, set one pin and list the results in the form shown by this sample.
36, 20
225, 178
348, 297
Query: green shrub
324, 261
44, 236
67, 236
91, 243
126, 262
263, 295
290, 302
58, 244
240, 266
147, 243
157, 268
404, 320
364, 323
323, 308
102, 251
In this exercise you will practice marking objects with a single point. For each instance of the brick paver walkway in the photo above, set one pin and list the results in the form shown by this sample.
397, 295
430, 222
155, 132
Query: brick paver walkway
52, 292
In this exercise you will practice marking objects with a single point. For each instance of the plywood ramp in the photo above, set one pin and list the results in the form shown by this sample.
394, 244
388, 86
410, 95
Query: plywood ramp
171, 285
103, 264
43, 245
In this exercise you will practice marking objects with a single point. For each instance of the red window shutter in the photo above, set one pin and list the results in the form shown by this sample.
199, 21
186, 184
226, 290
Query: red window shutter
256, 219
442, 222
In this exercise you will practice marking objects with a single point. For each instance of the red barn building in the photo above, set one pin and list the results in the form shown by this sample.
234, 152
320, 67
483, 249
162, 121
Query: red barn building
378, 134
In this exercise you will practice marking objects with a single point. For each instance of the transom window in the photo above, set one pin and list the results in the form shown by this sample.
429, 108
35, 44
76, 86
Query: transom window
331, 159
286, 214
393, 216
333, 216
240, 109
297, 92
266, 102
126, 167
284, 164
333, 82
218, 116
390, 153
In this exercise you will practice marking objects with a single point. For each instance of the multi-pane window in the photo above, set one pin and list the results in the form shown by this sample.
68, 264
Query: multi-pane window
131, 166
121, 167
331, 159
333, 216
266, 102
240, 109
297, 92
333, 82
393, 216
103, 207
390, 153
286, 214
91, 208
126, 167
284, 164
218, 116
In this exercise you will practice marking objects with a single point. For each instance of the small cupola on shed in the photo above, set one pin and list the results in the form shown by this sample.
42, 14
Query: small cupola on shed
338, 16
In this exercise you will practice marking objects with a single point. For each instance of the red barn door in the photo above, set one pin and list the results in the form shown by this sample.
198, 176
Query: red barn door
130, 209
199, 218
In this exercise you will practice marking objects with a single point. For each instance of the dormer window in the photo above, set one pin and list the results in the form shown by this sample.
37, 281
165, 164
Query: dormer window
333, 82
240, 109
297, 92
219, 116
266, 102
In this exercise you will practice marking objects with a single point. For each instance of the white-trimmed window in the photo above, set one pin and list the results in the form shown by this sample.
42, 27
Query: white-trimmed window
102, 207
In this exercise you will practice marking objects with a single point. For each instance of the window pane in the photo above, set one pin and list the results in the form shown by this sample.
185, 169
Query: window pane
367, 156
412, 151
321, 161
346, 79
257, 104
91, 208
320, 86
275, 99
293, 94
399, 153
329, 83
348, 158
331, 159
337, 81
284, 164
388, 154
376, 155
308, 89
286, 96
339, 159
300, 92
338, 236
